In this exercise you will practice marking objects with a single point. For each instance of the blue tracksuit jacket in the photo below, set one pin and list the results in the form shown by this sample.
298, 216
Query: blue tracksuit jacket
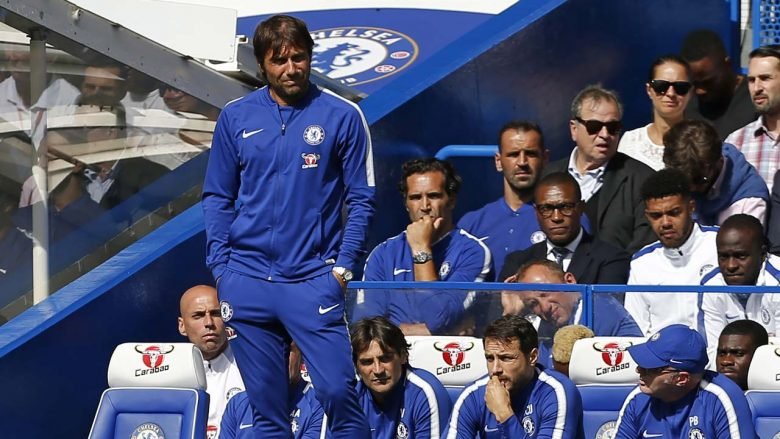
276, 181
548, 407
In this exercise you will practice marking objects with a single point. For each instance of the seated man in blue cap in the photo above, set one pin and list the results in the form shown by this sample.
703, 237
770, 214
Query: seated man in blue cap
676, 397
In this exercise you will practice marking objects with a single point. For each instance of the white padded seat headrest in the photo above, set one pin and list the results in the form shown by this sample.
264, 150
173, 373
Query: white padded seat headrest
604, 360
455, 361
774, 340
764, 372
178, 365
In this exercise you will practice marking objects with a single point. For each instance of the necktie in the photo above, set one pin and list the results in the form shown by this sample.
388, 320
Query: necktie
560, 254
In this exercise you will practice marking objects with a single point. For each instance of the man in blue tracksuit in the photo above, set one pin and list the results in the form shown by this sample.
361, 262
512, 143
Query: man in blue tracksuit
509, 223
431, 249
400, 401
676, 397
284, 160
519, 398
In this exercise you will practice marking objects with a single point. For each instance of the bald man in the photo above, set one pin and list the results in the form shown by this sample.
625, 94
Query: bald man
201, 322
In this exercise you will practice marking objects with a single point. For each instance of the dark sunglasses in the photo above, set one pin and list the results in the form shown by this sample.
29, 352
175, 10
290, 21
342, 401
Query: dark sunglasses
594, 126
546, 210
661, 86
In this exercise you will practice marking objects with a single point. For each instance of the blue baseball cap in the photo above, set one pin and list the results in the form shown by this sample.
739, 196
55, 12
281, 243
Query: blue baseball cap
676, 346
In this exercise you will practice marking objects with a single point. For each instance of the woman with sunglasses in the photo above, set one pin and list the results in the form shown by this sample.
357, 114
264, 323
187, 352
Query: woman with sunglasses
669, 89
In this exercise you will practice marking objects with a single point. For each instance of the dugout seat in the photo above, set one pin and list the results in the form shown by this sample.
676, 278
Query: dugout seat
763, 393
455, 361
155, 390
605, 374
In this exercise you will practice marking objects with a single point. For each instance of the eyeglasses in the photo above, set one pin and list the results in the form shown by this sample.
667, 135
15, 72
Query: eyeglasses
661, 86
546, 210
594, 126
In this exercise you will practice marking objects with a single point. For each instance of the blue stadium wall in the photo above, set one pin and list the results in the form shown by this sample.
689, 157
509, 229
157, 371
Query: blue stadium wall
527, 63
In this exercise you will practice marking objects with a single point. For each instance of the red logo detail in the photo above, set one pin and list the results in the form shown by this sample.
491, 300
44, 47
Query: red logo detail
310, 160
153, 356
211, 432
611, 353
453, 353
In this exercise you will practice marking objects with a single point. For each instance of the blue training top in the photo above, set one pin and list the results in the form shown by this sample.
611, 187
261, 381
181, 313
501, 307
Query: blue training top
459, 257
276, 181
716, 409
549, 407
417, 407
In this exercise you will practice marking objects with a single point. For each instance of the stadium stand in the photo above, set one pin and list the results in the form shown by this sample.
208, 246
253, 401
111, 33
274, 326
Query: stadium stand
154, 388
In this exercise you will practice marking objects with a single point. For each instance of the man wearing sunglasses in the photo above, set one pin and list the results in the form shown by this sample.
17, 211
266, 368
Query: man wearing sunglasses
722, 181
676, 397
609, 180
758, 139
558, 209
722, 96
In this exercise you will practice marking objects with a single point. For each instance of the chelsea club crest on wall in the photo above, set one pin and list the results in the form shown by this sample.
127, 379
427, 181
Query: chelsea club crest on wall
356, 55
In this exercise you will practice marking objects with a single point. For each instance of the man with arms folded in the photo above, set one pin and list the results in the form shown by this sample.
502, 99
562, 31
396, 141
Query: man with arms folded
736, 346
401, 401
431, 249
509, 223
743, 260
519, 398
201, 322
284, 162
684, 253
676, 397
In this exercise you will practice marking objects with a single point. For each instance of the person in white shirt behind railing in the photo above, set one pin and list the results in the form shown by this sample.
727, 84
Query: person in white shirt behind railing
743, 260
201, 322
685, 251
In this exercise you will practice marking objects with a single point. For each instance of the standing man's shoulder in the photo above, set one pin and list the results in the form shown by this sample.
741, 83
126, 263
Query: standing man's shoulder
327, 98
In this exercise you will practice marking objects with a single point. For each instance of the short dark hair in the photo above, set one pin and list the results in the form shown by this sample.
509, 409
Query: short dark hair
770, 50
510, 327
597, 93
552, 266
702, 43
664, 183
664, 59
387, 335
560, 178
279, 31
752, 329
523, 126
452, 180
691, 146
747, 222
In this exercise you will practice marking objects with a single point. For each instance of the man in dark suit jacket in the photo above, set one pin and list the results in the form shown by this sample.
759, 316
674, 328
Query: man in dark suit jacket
609, 181
559, 208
